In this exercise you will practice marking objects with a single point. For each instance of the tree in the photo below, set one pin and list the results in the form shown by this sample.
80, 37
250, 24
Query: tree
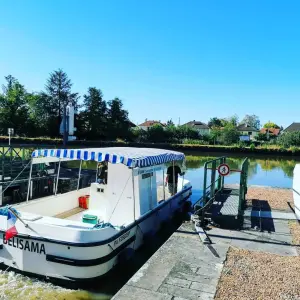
187, 132
170, 123
57, 96
94, 116
233, 120
215, 122
252, 121
118, 122
156, 133
14, 107
261, 137
230, 134
271, 125
215, 134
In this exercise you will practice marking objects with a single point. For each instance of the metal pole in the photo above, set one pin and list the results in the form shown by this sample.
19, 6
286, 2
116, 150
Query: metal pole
213, 179
173, 178
164, 186
96, 172
204, 183
29, 182
78, 182
9, 137
133, 195
57, 177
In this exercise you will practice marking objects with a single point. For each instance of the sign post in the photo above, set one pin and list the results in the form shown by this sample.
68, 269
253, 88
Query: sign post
10, 132
223, 169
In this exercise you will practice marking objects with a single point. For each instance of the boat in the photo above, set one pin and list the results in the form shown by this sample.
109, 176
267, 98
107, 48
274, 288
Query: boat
296, 190
83, 234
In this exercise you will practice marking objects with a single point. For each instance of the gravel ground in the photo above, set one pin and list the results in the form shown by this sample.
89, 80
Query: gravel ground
274, 198
253, 275
295, 231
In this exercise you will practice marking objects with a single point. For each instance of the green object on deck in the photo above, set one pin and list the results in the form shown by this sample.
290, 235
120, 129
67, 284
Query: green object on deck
90, 219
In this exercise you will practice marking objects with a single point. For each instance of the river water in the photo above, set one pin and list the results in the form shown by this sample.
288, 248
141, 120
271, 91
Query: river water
275, 172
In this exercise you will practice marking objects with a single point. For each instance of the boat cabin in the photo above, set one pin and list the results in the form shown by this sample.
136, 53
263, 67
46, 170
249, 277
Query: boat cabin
134, 184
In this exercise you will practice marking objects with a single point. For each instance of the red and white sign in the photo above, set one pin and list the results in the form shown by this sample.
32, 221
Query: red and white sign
223, 169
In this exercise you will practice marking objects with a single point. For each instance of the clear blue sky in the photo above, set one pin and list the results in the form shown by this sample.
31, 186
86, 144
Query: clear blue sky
164, 58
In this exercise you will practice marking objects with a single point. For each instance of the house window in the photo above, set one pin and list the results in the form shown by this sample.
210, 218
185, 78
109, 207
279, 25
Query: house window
250, 133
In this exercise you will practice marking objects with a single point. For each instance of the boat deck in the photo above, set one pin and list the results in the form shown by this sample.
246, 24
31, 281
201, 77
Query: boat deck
74, 214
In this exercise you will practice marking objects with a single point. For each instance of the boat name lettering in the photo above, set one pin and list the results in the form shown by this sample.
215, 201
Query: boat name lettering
25, 245
122, 238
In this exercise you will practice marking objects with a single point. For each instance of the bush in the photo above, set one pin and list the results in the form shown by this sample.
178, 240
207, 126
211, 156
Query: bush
289, 139
195, 142
229, 135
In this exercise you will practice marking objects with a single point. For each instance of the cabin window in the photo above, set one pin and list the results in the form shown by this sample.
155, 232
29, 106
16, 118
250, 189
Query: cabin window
147, 175
160, 187
250, 133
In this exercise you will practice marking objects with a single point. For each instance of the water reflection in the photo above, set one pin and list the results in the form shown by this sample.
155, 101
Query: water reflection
262, 170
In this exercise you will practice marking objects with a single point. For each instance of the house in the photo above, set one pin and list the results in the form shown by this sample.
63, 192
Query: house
292, 128
201, 127
148, 124
247, 132
270, 131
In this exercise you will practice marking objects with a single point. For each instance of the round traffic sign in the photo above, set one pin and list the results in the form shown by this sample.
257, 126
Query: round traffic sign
223, 169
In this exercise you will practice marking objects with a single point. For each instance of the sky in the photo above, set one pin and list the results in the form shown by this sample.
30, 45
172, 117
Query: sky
166, 59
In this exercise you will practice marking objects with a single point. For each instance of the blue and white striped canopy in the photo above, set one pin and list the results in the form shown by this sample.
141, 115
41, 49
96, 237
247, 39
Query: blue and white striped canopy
131, 157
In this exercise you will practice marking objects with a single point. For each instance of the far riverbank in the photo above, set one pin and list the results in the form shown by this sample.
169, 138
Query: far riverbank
57, 143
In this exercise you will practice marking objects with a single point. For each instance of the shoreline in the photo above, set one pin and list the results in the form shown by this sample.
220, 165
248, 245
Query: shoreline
38, 143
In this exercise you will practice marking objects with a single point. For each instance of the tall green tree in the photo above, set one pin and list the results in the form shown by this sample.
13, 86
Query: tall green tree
232, 120
252, 121
271, 125
58, 94
157, 134
94, 115
230, 134
215, 122
14, 107
170, 123
117, 118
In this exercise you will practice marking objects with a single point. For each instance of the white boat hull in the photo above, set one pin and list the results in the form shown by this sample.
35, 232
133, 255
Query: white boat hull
296, 190
77, 261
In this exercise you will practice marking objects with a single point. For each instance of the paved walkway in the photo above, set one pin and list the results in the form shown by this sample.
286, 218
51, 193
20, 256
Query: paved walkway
270, 214
182, 269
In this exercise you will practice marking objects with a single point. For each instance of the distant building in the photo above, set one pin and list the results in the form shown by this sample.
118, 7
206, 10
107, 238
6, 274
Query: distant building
247, 132
271, 131
293, 127
149, 123
201, 127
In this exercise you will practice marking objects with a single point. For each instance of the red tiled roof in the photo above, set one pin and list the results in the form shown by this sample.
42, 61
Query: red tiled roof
274, 131
151, 123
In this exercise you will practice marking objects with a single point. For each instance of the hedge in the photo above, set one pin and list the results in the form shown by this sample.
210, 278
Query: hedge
41, 142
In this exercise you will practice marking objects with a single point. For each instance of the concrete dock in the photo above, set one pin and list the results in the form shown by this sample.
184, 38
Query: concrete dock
185, 268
